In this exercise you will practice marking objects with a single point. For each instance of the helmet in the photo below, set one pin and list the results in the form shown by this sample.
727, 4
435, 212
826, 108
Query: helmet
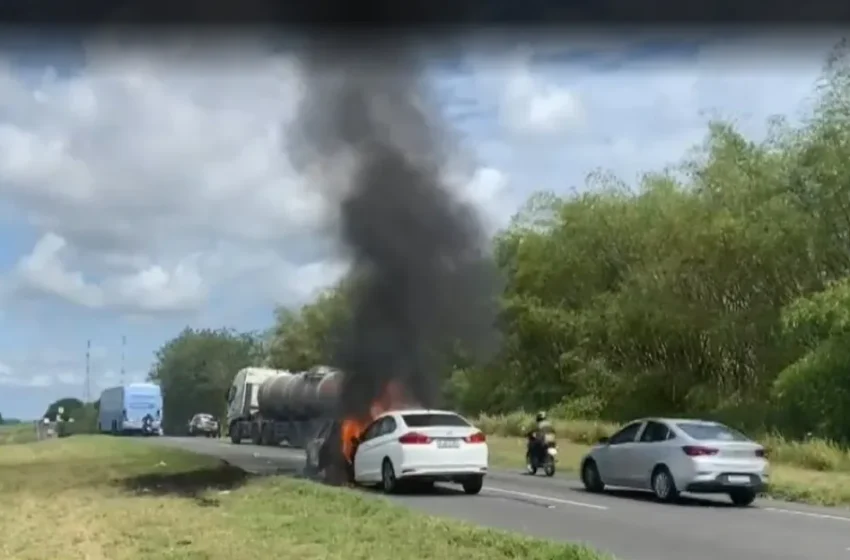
541, 416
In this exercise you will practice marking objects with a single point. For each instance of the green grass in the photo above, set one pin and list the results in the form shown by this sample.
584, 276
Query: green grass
102, 498
815, 472
17, 433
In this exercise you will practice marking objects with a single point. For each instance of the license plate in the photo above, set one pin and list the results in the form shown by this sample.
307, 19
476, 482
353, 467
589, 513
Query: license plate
448, 443
738, 479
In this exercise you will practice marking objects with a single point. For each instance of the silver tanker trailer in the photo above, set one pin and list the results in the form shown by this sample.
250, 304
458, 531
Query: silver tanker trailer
274, 406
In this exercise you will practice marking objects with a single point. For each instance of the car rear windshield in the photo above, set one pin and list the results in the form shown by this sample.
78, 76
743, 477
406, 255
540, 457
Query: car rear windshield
431, 420
717, 432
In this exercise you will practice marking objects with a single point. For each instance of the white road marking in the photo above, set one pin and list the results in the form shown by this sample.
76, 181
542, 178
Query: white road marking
808, 514
545, 498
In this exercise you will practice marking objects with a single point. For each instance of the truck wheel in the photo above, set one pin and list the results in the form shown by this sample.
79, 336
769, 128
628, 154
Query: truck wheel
256, 436
235, 435
266, 435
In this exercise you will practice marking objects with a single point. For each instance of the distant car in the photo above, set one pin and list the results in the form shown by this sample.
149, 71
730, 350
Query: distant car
669, 456
203, 424
421, 446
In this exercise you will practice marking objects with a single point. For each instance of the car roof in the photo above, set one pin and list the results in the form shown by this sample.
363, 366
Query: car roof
674, 420
420, 411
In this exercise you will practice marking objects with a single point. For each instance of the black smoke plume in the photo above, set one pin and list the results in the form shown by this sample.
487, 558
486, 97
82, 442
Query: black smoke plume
421, 278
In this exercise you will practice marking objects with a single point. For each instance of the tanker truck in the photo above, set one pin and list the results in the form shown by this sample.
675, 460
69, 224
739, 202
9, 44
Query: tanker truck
271, 406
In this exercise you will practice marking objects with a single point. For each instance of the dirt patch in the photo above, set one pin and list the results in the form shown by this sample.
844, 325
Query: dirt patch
193, 484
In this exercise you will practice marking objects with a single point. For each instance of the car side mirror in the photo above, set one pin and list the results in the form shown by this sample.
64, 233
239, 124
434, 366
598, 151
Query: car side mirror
603, 441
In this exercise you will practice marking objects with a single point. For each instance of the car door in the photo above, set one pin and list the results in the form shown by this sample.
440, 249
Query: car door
365, 469
612, 459
384, 444
648, 451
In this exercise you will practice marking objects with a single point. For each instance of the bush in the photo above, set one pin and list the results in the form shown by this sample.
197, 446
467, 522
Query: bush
814, 454
517, 424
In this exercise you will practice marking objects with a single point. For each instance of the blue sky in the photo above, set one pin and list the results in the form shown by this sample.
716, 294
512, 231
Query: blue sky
145, 190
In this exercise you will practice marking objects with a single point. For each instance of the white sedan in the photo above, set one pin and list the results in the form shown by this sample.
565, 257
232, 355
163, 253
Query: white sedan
668, 456
421, 446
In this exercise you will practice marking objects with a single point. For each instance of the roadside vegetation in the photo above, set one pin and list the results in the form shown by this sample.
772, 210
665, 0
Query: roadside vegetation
716, 288
17, 433
101, 498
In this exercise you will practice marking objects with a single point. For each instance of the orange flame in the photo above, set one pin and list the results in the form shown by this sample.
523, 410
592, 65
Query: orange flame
392, 398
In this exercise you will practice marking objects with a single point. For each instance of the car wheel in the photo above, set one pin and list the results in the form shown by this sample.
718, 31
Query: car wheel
388, 479
473, 485
590, 477
663, 485
742, 497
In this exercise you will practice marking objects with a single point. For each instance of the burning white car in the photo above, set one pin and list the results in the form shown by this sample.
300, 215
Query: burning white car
420, 446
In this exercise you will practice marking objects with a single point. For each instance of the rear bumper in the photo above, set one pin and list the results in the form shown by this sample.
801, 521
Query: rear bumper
721, 485
441, 473
207, 429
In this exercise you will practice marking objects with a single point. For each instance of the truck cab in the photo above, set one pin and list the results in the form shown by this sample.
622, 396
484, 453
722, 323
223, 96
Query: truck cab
242, 399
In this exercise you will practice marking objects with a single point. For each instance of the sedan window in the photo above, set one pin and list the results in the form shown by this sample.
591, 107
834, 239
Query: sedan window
626, 435
429, 420
655, 431
388, 426
711, 431
371, 431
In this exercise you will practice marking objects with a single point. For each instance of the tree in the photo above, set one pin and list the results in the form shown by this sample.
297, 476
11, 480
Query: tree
69, 407
195, 371
305, 337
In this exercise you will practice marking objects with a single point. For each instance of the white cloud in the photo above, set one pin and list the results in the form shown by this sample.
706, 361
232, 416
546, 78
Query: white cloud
158, 175
527, 101
50, 366
139, 167
531, 105
151, 288
111, 378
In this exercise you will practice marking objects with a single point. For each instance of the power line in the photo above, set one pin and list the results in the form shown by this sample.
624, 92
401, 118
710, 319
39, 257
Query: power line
123, 345
88, 371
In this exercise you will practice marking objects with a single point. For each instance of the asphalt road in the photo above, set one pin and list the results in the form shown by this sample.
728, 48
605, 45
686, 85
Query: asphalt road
627, 524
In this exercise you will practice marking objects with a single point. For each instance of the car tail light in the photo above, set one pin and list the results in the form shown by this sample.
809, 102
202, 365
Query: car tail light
477, 437
698, 451
760, 453
414, 438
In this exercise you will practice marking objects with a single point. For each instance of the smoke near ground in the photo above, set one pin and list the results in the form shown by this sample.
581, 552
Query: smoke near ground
421, 279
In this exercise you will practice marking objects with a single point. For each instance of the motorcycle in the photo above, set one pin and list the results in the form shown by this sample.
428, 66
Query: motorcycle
541, 455
147, 426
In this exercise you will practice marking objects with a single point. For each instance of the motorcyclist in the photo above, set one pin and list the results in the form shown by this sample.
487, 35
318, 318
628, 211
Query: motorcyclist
542, 434
147, 424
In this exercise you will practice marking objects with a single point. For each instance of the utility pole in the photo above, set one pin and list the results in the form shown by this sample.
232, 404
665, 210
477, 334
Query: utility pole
123, 345
88, 370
